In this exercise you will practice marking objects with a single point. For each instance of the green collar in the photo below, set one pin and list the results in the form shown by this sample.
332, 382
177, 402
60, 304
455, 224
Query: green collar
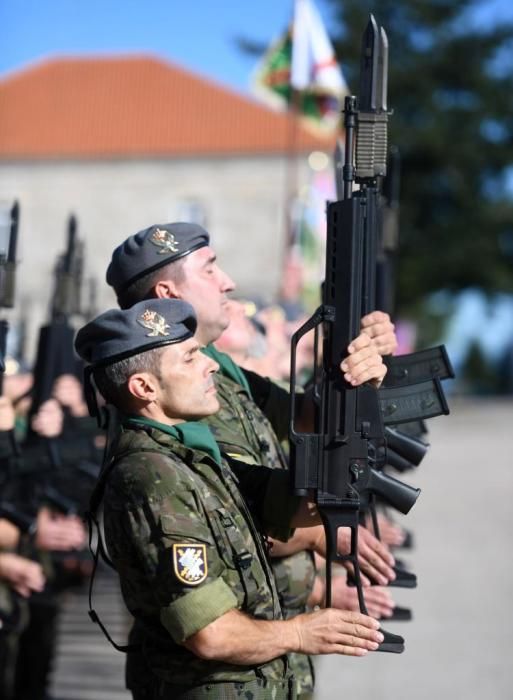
196, 436
228, 367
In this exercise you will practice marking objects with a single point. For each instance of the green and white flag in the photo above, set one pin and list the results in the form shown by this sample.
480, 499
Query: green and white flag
303, 59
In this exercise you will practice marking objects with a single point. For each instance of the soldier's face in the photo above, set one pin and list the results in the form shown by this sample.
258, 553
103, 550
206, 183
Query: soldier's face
205, 287
186, 388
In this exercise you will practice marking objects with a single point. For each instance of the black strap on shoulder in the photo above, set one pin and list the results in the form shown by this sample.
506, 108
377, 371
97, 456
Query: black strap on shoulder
93, 522
101, 549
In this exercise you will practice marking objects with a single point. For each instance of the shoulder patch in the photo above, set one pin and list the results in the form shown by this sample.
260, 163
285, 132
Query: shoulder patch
190, 563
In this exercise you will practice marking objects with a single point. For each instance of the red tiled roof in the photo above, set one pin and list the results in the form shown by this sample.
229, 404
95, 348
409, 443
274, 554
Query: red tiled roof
132, 106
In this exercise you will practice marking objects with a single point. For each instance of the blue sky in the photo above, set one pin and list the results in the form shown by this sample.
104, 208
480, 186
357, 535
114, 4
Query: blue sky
199, 34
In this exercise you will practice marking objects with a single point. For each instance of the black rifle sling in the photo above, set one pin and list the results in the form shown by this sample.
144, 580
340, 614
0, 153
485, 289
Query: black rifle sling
95, 503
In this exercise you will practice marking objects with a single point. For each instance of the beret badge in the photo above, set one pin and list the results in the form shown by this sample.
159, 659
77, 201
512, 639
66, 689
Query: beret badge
165, 241
154, 322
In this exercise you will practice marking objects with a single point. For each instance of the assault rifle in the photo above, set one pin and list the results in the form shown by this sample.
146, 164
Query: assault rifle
7, 282
403, 451
7, 286
338, 460
55, 354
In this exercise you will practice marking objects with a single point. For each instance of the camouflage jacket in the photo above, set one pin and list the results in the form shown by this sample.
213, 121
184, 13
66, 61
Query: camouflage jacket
243, 431
187, 549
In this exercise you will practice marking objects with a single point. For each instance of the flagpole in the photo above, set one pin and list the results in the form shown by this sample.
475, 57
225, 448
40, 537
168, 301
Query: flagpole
292, 164
291, 175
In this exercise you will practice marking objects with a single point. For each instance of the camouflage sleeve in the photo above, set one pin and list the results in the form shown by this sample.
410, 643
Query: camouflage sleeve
273, 399
163, 545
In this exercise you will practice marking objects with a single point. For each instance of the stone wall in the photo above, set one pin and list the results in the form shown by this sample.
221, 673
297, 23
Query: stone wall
241, 200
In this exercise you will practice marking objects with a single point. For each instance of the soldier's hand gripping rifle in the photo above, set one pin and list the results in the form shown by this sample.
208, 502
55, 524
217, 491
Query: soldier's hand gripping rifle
335, 461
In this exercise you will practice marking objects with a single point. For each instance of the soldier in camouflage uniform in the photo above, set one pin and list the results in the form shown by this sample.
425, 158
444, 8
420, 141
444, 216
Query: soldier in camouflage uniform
175, 260
243, 432
192, 561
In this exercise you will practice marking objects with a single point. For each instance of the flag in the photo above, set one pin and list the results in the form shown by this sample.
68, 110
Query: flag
314, 65
303, 59
272, 78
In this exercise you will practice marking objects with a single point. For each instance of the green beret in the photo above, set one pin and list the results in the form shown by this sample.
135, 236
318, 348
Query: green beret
152, 248
117, 334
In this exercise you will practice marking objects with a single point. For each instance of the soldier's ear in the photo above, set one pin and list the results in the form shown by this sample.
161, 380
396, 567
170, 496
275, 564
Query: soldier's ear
166, 289
143, 386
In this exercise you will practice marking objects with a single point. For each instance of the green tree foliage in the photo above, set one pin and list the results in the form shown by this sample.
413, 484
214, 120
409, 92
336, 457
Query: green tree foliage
451, 91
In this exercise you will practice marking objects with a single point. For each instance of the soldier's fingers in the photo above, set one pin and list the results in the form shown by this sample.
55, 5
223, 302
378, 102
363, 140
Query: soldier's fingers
386, 346
382, 566
361, 341
377, 329
374, 574
347, 650
370, 366
368, 355
379, 596
371, 546
350, 569
353, 642
368, 632
358, 356
386, 338
379, 611
374, 317
374, 565
357, 621
372, 374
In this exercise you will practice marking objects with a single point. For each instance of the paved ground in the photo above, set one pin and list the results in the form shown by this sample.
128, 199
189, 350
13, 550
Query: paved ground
88, 667
460, 643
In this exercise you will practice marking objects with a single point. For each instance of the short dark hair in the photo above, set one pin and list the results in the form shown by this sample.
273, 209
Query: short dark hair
112, 380
143, 287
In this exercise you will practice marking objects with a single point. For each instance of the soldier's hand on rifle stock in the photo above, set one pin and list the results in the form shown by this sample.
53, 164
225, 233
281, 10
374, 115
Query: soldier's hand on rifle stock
378, 326
363, 363
332, 631
378, 600
375, 559
237, 638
